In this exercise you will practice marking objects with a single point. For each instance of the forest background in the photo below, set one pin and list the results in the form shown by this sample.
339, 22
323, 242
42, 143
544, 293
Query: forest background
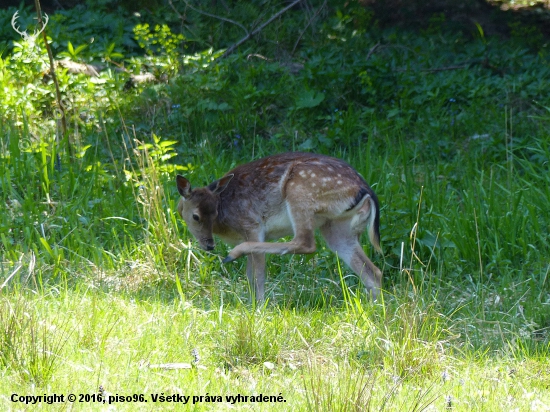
443, 106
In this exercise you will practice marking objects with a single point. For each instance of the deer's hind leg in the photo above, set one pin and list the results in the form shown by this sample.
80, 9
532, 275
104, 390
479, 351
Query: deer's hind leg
345, 242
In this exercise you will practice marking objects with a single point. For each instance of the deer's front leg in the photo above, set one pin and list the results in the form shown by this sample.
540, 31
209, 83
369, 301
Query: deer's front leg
235, 253
304, 245
255, 271
252, 237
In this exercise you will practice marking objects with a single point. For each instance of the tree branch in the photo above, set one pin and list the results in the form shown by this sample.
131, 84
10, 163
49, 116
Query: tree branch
259, 29
60, 105
307, 25
371, 51
216, 17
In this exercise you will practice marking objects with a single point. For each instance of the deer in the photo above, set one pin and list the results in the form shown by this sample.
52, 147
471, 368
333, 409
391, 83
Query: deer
282, 195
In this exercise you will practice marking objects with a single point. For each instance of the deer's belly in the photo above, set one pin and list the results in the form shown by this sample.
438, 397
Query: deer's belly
278, 225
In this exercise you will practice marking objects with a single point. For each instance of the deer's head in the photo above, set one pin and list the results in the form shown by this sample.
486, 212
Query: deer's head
199, 208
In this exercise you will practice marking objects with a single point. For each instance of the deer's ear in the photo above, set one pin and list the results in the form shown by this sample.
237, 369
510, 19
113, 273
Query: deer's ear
220, 185
184, 186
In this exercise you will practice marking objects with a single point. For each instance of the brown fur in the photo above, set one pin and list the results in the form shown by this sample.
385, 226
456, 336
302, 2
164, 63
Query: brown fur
280, 195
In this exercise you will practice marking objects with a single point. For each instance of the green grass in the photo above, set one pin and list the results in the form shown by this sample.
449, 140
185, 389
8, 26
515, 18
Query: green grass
100, 282
401, 356
94, 290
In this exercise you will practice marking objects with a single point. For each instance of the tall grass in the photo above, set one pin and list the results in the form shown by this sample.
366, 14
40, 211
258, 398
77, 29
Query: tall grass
31, 346
99, 278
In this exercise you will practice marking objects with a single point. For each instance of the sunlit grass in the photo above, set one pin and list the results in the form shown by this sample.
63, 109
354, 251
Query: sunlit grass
404, 356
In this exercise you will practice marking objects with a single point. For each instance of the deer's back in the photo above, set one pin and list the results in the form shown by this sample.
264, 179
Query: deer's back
262, 191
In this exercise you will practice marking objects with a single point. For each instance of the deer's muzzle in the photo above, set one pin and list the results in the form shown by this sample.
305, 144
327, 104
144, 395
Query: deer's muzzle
208, 244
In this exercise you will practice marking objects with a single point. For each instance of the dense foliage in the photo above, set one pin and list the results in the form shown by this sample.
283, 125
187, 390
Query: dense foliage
449, 126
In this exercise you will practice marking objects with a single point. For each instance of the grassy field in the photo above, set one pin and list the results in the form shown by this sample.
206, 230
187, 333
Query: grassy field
104, 294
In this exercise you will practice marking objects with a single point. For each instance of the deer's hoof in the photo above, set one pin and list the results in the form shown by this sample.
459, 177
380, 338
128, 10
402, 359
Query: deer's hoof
228, 259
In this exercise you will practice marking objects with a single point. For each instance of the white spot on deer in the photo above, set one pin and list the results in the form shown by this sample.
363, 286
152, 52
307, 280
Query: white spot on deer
313, 185
313, 175
339, 182
291, 183
330, 169
302, 173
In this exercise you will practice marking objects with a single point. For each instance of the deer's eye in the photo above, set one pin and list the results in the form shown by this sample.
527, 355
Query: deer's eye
196, 217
